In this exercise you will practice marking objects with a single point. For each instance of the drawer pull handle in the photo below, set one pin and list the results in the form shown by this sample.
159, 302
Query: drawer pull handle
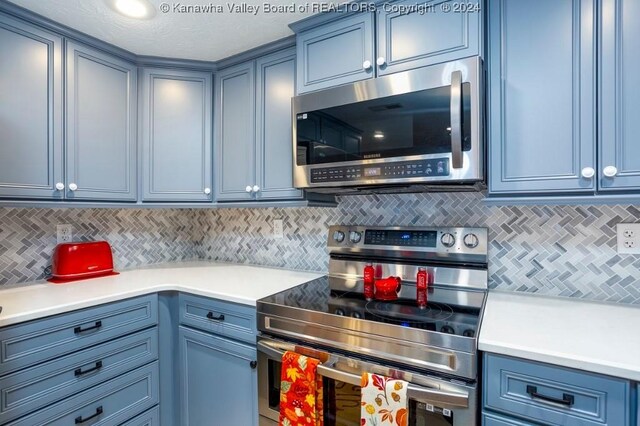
567, 399
80, 420
79, 371
79, 329
218, 318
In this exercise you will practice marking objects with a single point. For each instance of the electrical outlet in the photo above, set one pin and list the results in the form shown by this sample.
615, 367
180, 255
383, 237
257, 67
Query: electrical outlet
628, 238
65, 233
278, 228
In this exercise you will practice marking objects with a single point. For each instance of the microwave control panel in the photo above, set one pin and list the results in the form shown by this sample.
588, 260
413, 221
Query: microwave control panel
395, 170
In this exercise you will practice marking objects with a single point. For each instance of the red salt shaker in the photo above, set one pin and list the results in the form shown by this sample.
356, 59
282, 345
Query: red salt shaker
369, 281
422, 282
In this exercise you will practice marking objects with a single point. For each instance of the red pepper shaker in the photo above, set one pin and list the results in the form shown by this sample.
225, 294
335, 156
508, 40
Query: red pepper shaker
369, 280
422, 282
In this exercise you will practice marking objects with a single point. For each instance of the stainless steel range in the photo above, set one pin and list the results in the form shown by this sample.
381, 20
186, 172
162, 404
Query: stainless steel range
368, 315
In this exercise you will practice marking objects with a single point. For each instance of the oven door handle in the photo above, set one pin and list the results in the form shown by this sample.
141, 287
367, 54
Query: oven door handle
456, 120
418, 393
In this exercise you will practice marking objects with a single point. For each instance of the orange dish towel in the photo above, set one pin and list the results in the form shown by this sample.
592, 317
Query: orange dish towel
384, 401
300, 391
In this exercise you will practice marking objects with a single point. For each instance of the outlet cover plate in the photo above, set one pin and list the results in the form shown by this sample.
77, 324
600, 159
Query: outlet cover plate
64, 233
628, 236
278, 228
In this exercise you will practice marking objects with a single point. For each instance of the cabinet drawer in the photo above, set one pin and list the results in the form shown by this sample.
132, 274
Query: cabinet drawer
28, 390
110, 403
556, 395
215, 316
490, 419
33, 342
148, 418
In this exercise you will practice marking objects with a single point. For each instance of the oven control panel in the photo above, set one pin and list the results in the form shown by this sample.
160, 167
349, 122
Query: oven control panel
396, 170
409, 241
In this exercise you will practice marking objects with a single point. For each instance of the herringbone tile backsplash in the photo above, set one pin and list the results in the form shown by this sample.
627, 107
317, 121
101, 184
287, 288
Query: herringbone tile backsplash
138, 237
554, 250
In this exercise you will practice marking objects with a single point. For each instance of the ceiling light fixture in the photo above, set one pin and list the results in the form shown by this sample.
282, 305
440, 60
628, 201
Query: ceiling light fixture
378, 134
139, 9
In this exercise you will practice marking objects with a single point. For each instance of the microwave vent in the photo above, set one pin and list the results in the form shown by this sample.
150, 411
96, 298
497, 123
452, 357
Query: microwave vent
379, 108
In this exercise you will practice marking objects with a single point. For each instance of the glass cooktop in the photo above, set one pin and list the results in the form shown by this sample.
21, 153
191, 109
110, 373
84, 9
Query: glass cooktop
449, 310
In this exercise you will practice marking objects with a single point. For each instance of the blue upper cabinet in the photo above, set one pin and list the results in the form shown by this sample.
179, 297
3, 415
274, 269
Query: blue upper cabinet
275, 88
176, 135
542, 96
415, 33
337, 53
30, 111
619, 89
101, 125
253, 139
235, 124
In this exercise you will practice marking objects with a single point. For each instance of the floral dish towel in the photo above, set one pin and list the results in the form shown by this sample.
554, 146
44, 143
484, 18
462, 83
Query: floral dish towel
384, 401
300, 391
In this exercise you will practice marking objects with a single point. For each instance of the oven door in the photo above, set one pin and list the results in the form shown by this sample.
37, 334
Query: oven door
428, 116
432, 401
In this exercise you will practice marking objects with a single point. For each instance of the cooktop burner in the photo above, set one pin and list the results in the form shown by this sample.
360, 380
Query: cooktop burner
450, 311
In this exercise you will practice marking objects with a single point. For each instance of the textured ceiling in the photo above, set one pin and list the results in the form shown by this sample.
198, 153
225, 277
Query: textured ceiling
202, 36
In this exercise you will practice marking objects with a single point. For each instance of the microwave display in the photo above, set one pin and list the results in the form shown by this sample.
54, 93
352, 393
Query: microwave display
415, 123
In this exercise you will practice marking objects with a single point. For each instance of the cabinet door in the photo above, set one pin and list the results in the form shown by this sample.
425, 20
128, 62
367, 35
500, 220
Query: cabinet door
101, 125
235, 140
415, 33
335, 53
620, 104
541, 97
274, 143
30, 111
218, 384
176, 135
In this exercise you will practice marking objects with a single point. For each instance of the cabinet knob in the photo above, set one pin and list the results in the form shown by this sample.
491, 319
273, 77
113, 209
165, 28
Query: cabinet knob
366, 65
381, 61
610, 171
59, 186
253, 364
588, 172
73, 187
248, 188
207, 191
255, 188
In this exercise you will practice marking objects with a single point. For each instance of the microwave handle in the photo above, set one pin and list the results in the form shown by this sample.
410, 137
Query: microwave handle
456, 119
418, 393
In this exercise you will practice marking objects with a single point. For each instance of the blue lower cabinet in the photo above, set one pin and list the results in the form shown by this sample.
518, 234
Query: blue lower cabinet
33, 388
27, 344
110, 403
148, 418
218, 380
490, 419
548, 394
218, 317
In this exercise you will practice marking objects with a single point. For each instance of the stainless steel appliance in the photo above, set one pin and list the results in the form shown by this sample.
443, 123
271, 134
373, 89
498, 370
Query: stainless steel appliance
415, 130
434, 349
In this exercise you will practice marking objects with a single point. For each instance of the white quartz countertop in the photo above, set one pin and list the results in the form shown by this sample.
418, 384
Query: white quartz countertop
598, 337
230, 282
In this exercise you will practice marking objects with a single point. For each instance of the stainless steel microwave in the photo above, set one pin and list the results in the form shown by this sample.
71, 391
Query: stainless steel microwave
410, 131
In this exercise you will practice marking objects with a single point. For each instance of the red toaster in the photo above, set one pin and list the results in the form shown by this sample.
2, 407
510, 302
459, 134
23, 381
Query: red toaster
79, 261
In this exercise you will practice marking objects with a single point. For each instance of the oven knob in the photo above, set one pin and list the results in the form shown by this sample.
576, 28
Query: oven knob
340, 312
338, 236
469, 333
356, 315
447, 329
355, 236
448, 240
471, 240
